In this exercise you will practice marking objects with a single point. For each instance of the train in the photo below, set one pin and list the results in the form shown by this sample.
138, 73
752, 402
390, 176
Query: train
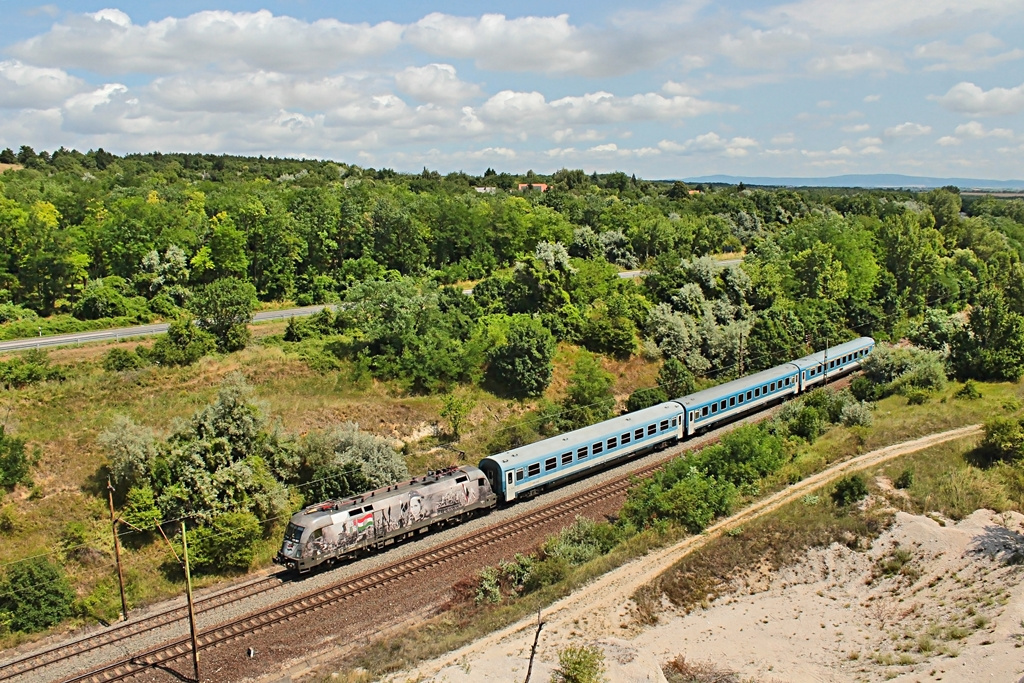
332, 530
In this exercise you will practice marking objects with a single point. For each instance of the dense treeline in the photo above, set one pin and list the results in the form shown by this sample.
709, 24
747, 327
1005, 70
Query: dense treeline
96, 236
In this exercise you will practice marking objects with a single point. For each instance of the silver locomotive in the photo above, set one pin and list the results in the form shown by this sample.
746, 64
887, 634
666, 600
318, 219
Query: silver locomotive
328, 531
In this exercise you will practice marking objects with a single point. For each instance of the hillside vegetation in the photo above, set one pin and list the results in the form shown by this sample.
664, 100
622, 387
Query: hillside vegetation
233, 431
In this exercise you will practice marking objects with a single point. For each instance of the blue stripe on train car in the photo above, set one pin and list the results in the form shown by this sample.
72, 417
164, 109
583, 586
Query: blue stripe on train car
546, 462
717, 404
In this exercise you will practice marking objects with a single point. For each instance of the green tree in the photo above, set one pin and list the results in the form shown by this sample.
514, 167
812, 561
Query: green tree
589, 398
455, 409
1004, 439
520, 363
991, 346
224, 308
15, 464
37, 594
183, 344
674, 379
226, 544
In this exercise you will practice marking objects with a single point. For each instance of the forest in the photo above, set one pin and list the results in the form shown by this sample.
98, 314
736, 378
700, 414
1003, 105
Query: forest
732, 279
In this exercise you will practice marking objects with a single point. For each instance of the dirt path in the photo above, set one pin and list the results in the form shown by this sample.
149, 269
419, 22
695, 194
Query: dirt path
600, 608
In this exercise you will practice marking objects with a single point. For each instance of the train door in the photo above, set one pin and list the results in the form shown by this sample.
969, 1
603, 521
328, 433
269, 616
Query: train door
510, 486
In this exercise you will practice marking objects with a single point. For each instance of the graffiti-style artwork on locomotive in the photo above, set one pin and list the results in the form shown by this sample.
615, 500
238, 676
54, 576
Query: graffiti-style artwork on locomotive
332, 529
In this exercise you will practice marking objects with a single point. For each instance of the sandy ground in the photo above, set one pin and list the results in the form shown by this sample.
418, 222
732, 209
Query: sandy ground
952, 609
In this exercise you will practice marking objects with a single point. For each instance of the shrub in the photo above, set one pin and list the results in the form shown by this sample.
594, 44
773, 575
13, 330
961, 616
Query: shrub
489, 589
894, 370
581, 542
13, 313
547, 572
15, 465
1004, 439
30, 368
916, 397
183, 344
969, 391
849, 490
905, 480
119, 360
645, 398
132, 451
140, 508
37, 594
856, 414
227, 545
579, 664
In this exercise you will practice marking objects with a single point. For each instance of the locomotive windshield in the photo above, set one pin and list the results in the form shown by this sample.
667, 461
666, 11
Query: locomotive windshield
293, 533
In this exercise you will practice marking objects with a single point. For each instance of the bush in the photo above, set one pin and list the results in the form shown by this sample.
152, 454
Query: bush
1004, 439
183, 344
916, 397
227, 545
849, 490
892, 369
13, 313
905, 480
645, 398
857, 414
583, 541
547, 572
15, 465
37, 594
140, 508
30, 368
119, 360
579, 664
969, 391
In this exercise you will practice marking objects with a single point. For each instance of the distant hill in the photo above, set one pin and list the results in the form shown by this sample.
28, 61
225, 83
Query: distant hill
894, 180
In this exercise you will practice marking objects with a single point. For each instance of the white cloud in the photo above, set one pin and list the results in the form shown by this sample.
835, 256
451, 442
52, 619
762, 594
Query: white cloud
435, 83
968, 98
710, 143
856, 128
254, 91
973, 54
948, 141
570, 135
526, 110
871, 149
874, 59
907, 130
22, 85
784, 139
673, 88
108, 42
872, 98
753, 48
865, 142
974, 129
541, 44
870, 17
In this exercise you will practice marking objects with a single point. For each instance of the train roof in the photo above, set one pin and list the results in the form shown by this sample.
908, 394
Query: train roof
819, 357
737, 385
349, 502
595, 432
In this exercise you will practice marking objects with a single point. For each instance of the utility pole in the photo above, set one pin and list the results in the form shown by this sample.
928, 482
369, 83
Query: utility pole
741, 354
825, 379
191, 605
117, 550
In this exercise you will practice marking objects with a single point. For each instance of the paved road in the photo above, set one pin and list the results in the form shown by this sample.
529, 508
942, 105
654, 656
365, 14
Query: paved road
137, 331
146, 330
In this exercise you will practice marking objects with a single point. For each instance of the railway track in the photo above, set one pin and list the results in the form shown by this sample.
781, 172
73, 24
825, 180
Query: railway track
123, 631
162, 656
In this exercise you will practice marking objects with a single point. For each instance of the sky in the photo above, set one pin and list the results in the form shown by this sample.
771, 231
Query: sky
664, 90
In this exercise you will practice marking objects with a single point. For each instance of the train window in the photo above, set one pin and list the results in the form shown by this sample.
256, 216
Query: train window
675, 421
459, 480
740, 397
612, 443
757, 392
597, 448
533, 470
581, 453
480, 482
732, 401
723, 404
704, 411
638, 434
773, 386
714, 408
550, 464
510, 477
626, 438
566, 458
519, 474
748, 395
764, 389
651, 429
